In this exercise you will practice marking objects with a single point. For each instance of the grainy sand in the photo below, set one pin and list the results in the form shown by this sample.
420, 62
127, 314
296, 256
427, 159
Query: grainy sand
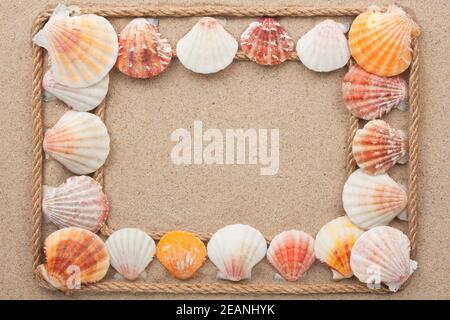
146, 190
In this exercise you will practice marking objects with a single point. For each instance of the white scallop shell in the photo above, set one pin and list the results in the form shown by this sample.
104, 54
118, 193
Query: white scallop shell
324, 48
235, 250
78, 202
372, 201
382, 255
130, 251
207, 48
80, 99
79, 141
82, 49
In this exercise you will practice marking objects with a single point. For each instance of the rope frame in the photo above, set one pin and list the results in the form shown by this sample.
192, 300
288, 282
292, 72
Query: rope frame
110, 286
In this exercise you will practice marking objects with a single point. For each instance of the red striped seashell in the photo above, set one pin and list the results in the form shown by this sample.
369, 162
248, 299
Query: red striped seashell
143, 52
266, 42
292, 254
368, 96
377, 147
74, 256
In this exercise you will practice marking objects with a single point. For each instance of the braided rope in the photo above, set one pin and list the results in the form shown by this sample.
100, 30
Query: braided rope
413, 147
100, 111
217, 288
353, 125
36, 113
229, 11
221, 288
156, 234
210, 288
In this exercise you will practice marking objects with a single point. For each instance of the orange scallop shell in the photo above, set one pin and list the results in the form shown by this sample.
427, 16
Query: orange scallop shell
381, 40
74, 256
266, 42
182, 253
143, 52
291, 253
368, 96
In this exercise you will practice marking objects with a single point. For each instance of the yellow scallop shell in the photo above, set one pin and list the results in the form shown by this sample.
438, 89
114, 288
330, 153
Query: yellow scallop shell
181, 253
334, 243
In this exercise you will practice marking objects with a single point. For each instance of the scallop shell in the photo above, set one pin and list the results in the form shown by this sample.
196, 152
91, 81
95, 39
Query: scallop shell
378, 147
291, 253
80, 99
82, 49
368, 96
372, 201
381, 40
207, 48
334, 244
130, 250
78, 202
324, 48
266, 42
79, 141
143, 52
235, 250
182, 253
382, 255
74, 256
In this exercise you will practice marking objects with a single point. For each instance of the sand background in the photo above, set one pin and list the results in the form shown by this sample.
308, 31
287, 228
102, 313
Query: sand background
147, 191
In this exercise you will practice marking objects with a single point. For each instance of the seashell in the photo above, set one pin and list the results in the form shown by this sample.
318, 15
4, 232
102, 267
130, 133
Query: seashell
78, 202
80, 99
266, 42
130, 250
182, 253
368, 96
382, 254
82, 49
381, 40
79, 141
235, 250
207, 48
378, 147
324, 48
292, 254
74, 256
372, 201
143, 52
334, 244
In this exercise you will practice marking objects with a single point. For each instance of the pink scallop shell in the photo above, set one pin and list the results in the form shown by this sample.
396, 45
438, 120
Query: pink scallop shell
368, 96
292, 254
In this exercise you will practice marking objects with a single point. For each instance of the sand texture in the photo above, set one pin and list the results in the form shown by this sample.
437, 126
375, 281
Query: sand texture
148, 191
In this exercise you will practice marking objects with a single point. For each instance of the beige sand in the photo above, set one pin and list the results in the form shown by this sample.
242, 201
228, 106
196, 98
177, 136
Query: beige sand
148, 191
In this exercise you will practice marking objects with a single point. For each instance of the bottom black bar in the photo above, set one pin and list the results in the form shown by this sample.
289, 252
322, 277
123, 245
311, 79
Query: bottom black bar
216, 309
